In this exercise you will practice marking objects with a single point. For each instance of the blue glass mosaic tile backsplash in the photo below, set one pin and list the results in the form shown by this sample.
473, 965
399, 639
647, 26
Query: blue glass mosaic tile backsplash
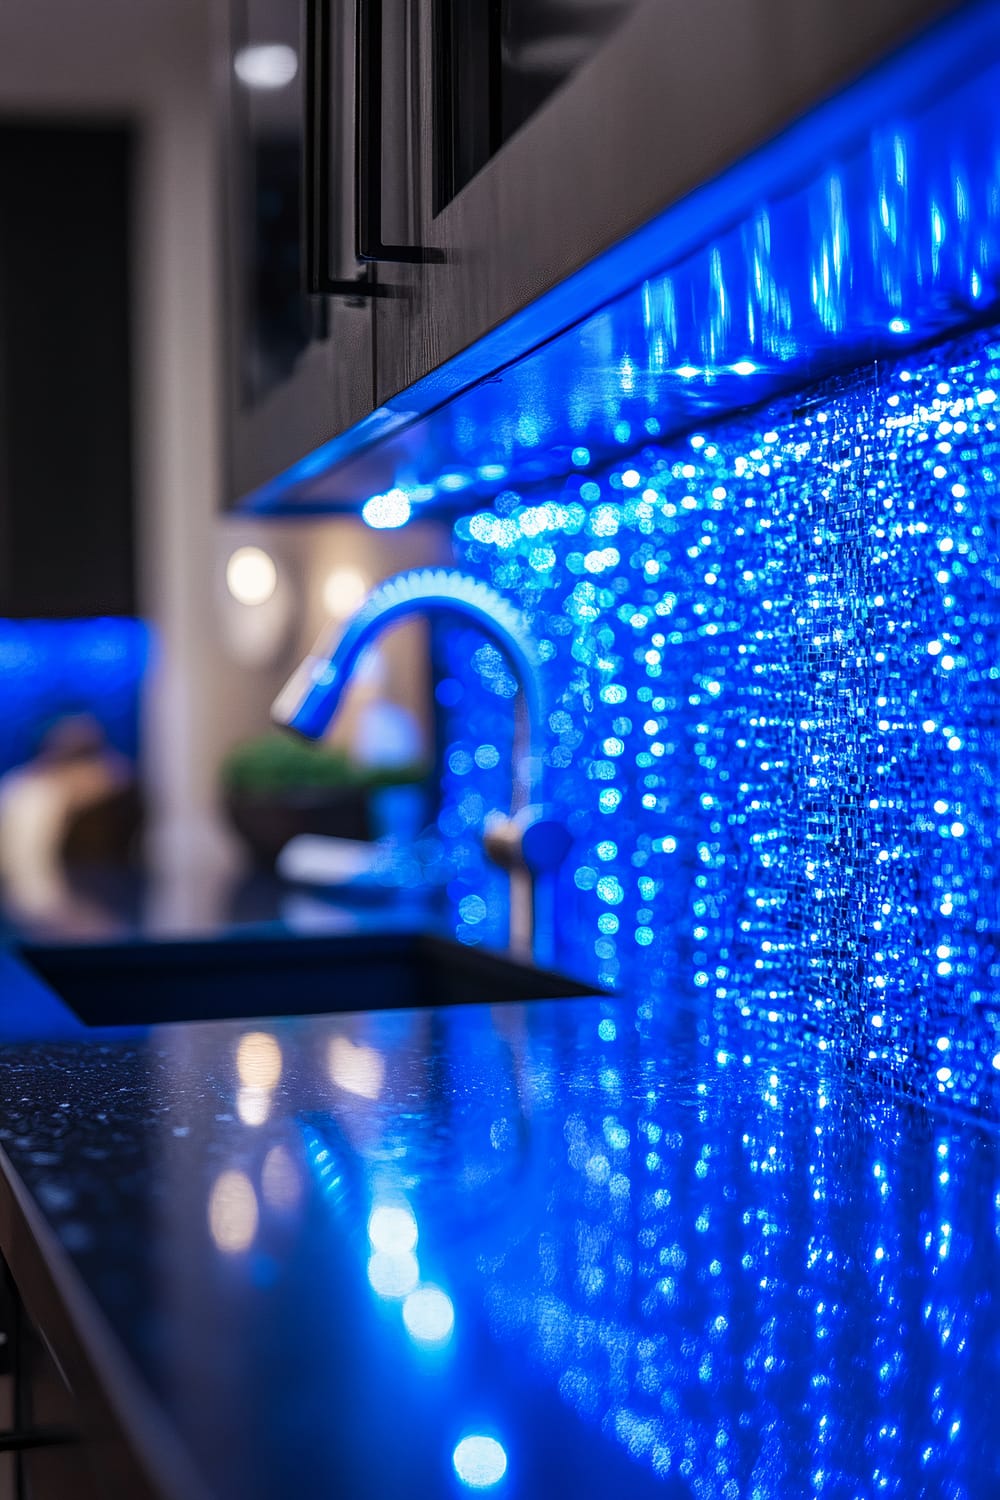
771, 673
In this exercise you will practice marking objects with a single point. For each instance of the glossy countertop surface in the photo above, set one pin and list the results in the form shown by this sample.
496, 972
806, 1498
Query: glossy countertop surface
592, 1247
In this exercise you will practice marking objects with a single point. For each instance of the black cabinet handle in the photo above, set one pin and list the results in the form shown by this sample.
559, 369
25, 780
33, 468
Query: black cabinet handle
371, 246
23, 1439
316, 176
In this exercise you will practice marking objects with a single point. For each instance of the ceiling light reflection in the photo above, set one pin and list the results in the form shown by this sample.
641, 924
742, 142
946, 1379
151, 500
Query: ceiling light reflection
232, 1212
258, 1060
253, 1105
356, 1068
280, 1183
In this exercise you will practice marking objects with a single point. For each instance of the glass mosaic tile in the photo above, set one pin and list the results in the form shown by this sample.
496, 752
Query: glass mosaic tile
771, 675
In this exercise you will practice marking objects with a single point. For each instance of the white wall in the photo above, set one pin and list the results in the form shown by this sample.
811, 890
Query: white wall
150, 61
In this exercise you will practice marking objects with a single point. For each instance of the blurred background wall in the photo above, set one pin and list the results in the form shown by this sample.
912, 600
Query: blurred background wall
214, 662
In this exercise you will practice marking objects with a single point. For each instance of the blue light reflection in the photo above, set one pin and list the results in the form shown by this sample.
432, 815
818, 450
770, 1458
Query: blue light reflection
680, 1250
480, 1462
429, 1315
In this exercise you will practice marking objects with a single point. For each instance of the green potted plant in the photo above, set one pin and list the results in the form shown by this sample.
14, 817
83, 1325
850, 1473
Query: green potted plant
275, 787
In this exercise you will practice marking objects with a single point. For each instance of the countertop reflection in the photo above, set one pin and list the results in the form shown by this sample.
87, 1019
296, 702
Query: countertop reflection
588, 1247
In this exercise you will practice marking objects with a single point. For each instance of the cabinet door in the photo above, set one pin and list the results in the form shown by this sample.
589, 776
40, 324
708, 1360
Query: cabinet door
573, 124
66, 506
300, 363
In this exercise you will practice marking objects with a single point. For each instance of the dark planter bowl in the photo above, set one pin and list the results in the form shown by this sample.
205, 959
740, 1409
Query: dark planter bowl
266, 822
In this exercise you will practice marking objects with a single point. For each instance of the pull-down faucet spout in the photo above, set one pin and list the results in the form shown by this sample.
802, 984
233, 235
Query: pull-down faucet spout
527, 842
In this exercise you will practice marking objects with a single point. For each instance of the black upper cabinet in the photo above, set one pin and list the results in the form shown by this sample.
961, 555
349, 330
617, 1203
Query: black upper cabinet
551, 129
465, 157
495, 63
344, 122
66, 482
300, 360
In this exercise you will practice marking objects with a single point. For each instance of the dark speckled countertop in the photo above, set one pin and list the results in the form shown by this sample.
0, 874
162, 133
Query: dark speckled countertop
589, 1247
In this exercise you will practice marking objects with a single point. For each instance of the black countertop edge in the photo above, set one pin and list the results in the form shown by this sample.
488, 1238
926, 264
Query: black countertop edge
131, 1446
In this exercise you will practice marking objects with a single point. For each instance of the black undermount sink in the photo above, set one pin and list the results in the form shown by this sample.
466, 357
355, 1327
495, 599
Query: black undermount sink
148, 983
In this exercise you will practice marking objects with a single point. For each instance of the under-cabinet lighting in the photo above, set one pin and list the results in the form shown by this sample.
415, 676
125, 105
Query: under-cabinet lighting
386, 512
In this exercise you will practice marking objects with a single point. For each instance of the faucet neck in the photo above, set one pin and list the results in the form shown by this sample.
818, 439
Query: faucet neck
312, 696
528, 843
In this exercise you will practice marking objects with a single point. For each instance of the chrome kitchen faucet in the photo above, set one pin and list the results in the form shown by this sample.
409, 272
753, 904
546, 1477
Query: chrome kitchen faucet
528, 842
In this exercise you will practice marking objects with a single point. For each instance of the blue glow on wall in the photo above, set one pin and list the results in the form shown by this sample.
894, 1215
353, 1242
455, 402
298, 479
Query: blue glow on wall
771, 661
50, 669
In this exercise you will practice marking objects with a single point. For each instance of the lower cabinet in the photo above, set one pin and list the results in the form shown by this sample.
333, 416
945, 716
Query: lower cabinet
43, 1455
